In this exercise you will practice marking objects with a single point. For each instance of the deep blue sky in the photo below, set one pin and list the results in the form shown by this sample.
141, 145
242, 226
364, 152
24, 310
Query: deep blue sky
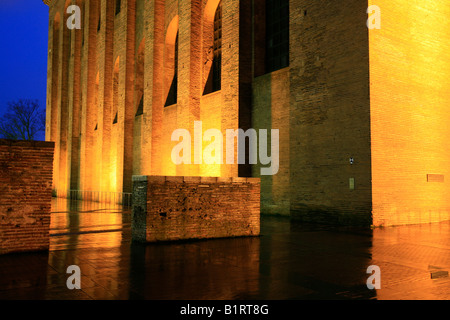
23, 54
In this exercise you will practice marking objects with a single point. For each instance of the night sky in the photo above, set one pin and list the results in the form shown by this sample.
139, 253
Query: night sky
23, 54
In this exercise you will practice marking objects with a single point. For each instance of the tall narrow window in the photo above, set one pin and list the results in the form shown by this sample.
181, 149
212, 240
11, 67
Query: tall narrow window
118, 3
99, 12
115, 105
214, 79
97, 84
140, 108
173, 91
139, 79
277, 34
217, 49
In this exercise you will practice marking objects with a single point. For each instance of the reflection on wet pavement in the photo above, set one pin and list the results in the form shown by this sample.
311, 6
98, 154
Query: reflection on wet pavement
79, 224
408, 256
288, 261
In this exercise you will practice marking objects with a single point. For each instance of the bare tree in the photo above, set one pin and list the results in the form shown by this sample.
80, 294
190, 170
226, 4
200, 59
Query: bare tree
23, 120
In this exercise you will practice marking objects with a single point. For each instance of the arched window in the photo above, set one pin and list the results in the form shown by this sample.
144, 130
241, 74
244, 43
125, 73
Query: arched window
170, 62
115, 106
173, 91
277, 34
214, 79
139, 83
118, 3
96, 102
99, 12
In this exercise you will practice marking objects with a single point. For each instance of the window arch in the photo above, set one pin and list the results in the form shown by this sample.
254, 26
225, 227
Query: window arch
173, 91
115, 110
99, 12
171, 63
139, 83
96, 100
213, 82
118, 5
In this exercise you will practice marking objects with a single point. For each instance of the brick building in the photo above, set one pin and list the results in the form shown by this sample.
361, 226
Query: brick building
361, 113
26, 188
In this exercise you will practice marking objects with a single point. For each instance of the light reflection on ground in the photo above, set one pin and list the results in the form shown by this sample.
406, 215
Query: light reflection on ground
289, 261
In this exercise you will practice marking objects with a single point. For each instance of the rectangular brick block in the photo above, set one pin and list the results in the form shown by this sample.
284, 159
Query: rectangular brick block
194, 210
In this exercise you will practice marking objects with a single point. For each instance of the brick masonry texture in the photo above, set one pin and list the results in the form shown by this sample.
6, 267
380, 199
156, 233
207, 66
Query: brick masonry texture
179, 208
26, 187
410, 110
377, 96
329, 112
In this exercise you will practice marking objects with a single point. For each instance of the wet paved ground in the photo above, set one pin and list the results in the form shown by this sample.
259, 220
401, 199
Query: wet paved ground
289, 261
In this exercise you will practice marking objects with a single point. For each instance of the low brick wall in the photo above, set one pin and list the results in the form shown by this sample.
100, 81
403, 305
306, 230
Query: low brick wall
26, 169
180, 208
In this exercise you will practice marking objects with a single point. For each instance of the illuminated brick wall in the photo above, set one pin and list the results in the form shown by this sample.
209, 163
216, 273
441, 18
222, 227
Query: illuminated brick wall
378, 97
329, 112
410, 110
323, 117
179, 208
25, 185
117, 58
